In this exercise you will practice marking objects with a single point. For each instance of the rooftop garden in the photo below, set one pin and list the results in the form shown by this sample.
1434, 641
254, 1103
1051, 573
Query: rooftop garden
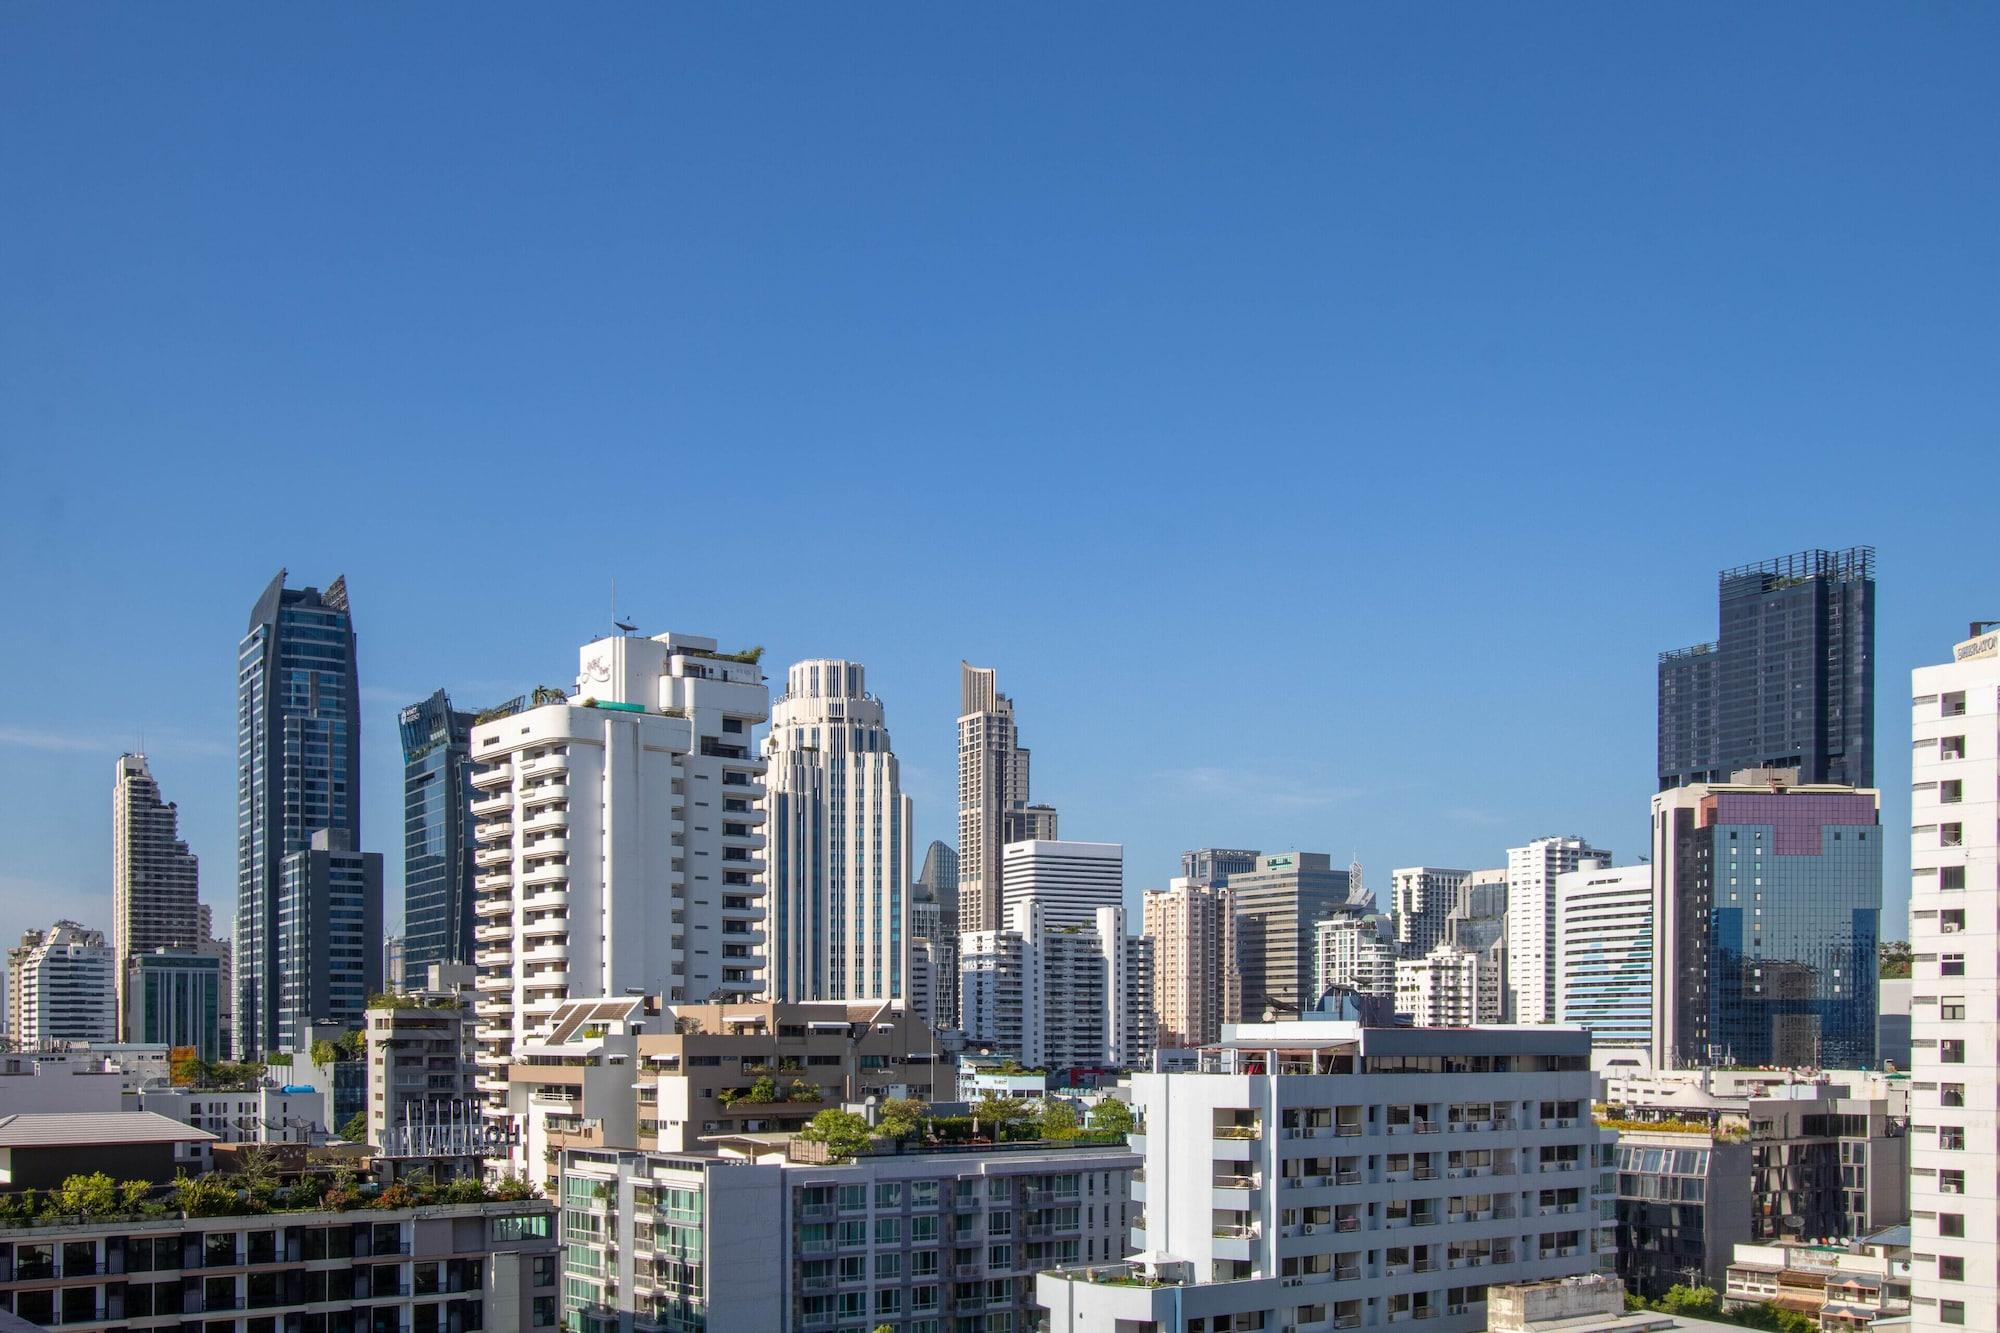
391, 1000
907, 1125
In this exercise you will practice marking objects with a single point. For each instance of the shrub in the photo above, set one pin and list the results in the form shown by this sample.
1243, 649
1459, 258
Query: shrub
802, 1091
844, 1133
1111, 1116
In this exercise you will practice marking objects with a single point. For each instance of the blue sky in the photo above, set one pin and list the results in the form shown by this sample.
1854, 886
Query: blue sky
1320, 415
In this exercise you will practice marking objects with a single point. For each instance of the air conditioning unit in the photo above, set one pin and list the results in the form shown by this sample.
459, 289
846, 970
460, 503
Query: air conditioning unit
1310, 1227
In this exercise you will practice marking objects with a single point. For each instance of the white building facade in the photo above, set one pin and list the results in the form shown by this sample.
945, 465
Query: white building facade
1531, 922
1447, 988
61, 987
1358, 952
621, 844
839, 836
155, 879
1421, 899
1604, 953
1059, 996
1955, 989
1071, 880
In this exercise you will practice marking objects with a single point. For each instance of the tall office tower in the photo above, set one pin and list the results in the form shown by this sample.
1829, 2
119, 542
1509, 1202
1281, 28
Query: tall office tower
393, 971
926, 961
298, 769
1358, 952
1071, 880
621, 844
940, 876
1193, 931
62, 988
1766, 900
1278, 903
175, 999
1789, 681
993, 808
1531, 922
940, 871
437, 834
1604, 953
155, 879
840, 831
1421, 899
1130, 978
1478, 925
329, 937
1955, 988
1211, 866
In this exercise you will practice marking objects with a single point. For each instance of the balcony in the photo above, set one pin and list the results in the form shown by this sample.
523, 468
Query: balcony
550, 925
493, 957
500, 985
541, 795
485, 779
486, 806
493, 881
487, 857
487, 934
545, 872
495, 830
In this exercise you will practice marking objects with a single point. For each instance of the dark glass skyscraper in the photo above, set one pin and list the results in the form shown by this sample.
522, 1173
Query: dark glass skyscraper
437, 834
1788, 683
298, 770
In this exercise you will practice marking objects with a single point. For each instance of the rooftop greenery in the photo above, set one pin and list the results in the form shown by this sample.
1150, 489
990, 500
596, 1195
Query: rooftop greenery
252, 1191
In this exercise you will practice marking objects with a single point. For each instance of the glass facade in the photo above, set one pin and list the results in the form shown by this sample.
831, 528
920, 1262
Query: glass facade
298, 770
1777, 916
179, 1002
437, 834
1789, 681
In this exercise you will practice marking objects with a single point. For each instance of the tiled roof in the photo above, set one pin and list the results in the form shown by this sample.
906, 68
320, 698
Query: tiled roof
86, 1128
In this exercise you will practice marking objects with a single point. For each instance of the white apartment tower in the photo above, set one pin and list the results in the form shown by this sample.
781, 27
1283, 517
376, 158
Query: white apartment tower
839, 837
155, 879
1358, 952
993, 808
1058, 996
1604, 953
1955, 989
1531, 922
1448, 988
621, 843
1192, 927
60, 987
1071, 880
1421, 899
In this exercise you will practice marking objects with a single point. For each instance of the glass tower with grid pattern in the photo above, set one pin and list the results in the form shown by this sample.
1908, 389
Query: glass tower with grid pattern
437, 834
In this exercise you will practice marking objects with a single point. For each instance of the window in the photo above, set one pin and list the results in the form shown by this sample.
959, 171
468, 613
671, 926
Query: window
1951, 965
1951, 1052
1951, 1312
1951, 1094
1951, 1268
1951, 1224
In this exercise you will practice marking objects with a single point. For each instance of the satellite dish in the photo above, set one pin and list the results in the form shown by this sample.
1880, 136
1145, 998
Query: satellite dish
1793, 1222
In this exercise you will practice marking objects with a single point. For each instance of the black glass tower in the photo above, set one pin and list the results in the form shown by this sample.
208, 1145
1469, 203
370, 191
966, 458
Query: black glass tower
298, 771
1789, 681
437, 834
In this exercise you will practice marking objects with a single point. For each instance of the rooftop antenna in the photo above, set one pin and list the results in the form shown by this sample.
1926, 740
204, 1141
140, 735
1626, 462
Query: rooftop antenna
616, 623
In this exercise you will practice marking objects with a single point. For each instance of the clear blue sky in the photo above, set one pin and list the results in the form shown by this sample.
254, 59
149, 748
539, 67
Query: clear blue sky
1320, 415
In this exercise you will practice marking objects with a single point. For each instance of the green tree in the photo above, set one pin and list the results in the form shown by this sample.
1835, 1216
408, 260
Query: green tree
991, 1110
803, 1091
1893, 958
1111, 1116
901, 1117
843, 1132
93, 1195
764, 1089
1697, 1302
466, 1189
512, 1189
203, 1196
324, 1052
355, 1130
1058, 1120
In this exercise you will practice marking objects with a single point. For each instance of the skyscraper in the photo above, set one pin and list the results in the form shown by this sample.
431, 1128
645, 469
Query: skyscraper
839, 832
1767, 900
1071, 880
621, 840
437, 834
1278, 904
1604, 953
60, 987
1421, 899
993, 806
1531, 922
1789, 681
329, 937
298, 770
1955, 987
1193, 930
155, 879
934, 935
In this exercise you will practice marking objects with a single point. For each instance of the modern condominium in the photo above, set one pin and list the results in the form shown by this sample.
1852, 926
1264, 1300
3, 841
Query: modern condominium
1789, 681
1278, 904
1766, 902
1955, 990
155, 879
329, 937
1059, 996
1448, 987
1604, 953
437, 835
621, 844
1421, 899
298, 769
1071, 880
60, 987
839, 837
1356, 952
1193, 932
1325, 1174
993, 807
1531, 922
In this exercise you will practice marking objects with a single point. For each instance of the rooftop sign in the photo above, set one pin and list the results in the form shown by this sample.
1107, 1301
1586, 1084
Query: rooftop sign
1986, 645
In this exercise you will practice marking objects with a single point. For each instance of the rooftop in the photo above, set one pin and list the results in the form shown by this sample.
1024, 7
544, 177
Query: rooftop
90, 1128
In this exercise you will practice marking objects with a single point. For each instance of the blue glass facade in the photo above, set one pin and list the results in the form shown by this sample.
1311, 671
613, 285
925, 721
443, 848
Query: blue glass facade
178, 1001
1777, 905
437, 834
298, 770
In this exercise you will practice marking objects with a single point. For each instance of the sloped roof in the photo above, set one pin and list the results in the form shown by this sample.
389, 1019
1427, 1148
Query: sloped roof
88, 1128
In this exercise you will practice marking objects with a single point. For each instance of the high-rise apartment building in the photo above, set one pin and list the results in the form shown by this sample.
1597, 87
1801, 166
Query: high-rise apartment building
1357, 952
1211, 867
1531, 922
437, 834
1766, 902
329, 937
839, 831
60, 987
993, 806
1059, 996
1278, 903
621, 842
1421, 899
1448, 988
1955, 988
1789, 681
1323, 1174
1604, 953
1071, 880
1192, 927
298, 769
155, 879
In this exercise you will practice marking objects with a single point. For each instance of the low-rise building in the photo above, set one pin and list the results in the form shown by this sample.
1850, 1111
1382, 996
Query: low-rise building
422, 1053
1842, 1286
268, 1114
42, 1151
1326, 1174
